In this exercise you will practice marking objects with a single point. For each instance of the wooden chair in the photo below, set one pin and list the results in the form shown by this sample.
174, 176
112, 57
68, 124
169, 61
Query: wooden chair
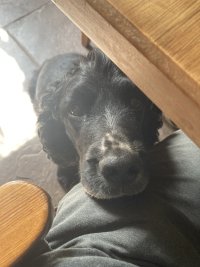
25, 217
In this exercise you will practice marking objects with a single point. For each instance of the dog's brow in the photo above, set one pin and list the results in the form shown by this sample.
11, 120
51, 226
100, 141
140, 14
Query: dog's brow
82, 90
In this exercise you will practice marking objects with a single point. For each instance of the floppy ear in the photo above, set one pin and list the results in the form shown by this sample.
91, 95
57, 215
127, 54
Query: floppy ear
151, 124
51, 130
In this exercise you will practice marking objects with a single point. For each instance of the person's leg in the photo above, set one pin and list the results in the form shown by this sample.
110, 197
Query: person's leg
175, 175
159, 227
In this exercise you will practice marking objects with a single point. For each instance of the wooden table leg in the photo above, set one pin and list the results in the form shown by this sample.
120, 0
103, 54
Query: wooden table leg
85, 41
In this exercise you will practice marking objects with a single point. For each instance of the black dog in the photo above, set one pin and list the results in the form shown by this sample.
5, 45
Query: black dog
95, 123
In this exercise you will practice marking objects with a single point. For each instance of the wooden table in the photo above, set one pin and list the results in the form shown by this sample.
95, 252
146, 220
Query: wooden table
156, 43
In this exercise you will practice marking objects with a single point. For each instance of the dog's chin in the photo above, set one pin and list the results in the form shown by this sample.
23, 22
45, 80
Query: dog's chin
99, 188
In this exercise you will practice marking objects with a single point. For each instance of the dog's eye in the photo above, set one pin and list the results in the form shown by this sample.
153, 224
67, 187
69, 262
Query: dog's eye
80, 103
77, 110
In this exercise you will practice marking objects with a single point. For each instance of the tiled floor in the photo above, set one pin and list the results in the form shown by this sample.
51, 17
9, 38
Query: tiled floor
30, 33
51, 33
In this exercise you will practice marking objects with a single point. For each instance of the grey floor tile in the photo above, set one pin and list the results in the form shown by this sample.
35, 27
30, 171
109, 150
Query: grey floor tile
11, 10
47, 32
30, 162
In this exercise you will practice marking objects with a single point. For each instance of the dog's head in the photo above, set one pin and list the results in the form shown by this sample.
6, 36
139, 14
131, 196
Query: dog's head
110, 123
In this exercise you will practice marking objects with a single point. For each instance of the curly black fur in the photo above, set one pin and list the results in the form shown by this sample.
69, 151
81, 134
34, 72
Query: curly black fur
92, 107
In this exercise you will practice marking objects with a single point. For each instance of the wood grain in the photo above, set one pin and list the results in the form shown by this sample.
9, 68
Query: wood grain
24, 218
156, 43
173, 28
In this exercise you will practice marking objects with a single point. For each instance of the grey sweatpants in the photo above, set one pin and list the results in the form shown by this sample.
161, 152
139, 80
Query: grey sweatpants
159, 227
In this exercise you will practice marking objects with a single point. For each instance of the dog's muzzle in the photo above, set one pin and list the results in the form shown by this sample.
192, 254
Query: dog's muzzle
113, 170
119, 169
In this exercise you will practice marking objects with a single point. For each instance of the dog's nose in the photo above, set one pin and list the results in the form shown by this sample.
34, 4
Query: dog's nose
119, 169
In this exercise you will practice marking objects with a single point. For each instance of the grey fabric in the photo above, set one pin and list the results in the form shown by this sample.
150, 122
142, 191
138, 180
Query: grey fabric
159, 227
